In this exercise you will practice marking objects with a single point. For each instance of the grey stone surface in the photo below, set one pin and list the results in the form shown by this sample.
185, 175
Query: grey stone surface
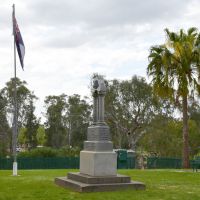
95, 108
101, 108
98, 139
84, 187
98, 92
83, 178
98, 133
98, 163
98, 146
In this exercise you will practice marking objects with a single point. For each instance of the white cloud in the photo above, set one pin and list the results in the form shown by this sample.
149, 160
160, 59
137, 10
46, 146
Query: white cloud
67, 41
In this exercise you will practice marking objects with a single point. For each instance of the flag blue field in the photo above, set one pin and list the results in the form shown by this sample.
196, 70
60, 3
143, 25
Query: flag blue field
19, 43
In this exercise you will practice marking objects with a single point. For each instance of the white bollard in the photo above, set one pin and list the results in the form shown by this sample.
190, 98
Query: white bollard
14, 168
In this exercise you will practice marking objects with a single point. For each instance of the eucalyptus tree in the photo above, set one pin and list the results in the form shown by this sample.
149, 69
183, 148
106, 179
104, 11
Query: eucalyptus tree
175, 70
67, 119
25, 108
41, 136
5, 131
22, 138
55, 120
129, 107
31, 122
163, 137
24, 96
78, 117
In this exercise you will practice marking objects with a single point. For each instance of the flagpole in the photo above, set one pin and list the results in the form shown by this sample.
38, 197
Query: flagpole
14, 140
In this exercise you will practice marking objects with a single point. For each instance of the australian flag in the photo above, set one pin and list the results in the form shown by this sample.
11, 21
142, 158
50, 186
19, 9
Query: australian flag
19, 42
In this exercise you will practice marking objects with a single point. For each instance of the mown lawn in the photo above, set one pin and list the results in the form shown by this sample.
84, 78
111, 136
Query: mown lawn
161, 185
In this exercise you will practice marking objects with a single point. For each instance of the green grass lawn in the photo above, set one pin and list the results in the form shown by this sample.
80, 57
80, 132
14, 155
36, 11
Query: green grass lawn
161, 184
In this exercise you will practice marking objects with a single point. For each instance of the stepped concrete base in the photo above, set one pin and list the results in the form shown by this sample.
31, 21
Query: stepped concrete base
85, 183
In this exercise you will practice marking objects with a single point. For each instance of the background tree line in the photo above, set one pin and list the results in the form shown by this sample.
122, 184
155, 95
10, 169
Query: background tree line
137, 118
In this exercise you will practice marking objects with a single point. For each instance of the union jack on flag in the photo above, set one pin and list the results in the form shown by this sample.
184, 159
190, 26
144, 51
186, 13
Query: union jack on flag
19, 42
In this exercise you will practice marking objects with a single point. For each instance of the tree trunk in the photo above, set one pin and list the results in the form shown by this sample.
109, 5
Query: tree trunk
119, 138
185, 153
133, 144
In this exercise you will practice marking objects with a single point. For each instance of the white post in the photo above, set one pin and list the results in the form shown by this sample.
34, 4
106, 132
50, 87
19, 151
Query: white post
14, 138
14, 168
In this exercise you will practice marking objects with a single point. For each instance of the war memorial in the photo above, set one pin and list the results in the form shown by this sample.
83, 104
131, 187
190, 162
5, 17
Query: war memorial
98, 161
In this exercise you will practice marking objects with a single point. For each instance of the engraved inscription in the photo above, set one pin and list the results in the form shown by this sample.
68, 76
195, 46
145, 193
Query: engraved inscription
98, 146
98, 133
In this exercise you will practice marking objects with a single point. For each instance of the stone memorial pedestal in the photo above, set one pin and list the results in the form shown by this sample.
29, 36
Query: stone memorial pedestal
98, 161
85, 183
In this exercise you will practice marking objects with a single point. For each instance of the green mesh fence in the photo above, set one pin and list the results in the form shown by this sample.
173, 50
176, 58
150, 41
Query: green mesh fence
73, 163
56, 163
161, 163
6, 163
129, 163
42, 163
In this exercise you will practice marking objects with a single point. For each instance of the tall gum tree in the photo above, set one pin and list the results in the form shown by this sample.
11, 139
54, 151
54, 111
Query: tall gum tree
129, 107
175, 71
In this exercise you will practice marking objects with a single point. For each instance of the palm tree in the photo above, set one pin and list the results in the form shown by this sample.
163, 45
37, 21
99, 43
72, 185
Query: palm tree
175, 71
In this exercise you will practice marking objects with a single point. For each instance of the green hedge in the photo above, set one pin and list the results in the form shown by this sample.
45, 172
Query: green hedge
50, 152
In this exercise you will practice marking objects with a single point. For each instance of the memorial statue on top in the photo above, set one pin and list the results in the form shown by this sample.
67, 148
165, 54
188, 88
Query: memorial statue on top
99, 87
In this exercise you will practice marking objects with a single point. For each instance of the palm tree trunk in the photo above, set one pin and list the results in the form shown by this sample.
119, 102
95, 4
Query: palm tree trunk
185, 153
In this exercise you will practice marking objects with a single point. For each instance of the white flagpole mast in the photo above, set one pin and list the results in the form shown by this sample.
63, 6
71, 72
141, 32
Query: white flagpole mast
14, 138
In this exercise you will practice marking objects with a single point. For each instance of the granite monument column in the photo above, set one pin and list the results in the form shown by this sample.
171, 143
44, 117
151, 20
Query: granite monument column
95, 108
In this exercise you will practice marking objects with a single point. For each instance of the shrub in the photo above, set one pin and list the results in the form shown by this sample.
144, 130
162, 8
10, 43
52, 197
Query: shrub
50, 152
69, 152
39, 152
